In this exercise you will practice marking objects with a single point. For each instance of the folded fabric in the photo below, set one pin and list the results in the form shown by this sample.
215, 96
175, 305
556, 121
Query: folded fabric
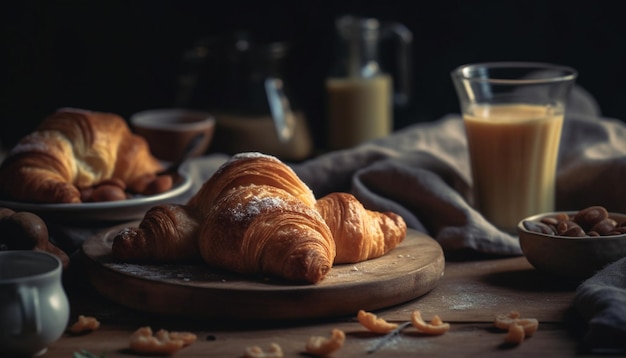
601, 302
422, 172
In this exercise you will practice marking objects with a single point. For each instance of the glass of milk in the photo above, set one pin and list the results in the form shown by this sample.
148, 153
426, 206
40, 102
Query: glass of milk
513, 115
360, 95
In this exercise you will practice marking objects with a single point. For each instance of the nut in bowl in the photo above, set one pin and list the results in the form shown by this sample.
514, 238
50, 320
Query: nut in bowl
573, 244
170, 133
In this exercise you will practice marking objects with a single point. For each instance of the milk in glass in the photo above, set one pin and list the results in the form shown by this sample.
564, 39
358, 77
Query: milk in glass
513, 152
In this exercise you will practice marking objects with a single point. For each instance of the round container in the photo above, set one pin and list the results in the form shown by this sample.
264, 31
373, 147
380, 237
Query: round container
572, 257
172, 132
34, 309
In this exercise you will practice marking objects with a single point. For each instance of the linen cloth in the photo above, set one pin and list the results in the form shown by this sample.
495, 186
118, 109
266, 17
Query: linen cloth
422, 172
601, 301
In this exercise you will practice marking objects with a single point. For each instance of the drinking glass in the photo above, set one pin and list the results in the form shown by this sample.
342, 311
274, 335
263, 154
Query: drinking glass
513, 115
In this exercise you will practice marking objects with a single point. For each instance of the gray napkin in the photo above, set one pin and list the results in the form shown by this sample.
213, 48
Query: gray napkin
422, 173
601, 301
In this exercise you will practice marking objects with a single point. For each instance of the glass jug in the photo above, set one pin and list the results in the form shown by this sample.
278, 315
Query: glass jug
360, 94
241, 82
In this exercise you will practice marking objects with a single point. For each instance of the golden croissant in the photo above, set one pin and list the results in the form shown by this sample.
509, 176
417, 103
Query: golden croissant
360, 234
261, 229
74, 149
241, 169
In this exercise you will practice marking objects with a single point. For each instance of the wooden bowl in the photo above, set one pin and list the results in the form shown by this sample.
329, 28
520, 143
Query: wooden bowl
170, 132
570, 257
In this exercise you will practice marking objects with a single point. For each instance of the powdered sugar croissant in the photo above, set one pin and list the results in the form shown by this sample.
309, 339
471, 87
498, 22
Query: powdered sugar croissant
74, 149
251, 168
261, 229
161, 229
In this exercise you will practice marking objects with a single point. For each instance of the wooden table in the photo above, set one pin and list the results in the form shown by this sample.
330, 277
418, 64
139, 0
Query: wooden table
469, 296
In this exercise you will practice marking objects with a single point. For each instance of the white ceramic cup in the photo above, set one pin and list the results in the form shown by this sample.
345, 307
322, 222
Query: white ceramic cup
34, 309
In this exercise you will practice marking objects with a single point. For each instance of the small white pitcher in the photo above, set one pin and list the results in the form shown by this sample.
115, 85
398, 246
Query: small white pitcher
34, 309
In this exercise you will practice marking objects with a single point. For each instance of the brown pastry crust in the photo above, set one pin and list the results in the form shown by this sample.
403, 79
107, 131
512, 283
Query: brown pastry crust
261, 229
74, 149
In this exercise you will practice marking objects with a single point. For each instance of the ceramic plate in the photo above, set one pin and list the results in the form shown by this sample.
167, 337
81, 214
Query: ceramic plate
123, 210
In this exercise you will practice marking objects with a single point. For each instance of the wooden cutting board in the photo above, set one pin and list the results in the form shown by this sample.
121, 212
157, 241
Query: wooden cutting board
196, 290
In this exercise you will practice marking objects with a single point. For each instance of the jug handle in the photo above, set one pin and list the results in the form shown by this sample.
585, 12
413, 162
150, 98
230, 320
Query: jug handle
31, 318
404, 57
280, 108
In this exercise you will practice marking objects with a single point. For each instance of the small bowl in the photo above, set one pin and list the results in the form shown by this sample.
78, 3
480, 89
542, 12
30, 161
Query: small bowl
570, 257
170, 132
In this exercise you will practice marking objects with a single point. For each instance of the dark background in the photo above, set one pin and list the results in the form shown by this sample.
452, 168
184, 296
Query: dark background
125, 56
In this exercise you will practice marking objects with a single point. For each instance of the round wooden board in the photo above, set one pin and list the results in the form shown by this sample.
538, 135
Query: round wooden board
196, 290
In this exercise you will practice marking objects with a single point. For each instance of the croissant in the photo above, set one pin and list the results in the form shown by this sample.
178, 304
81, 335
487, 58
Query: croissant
167, 233
255, 216
261, 229
251, 168
243, 168
73, 149
359, 234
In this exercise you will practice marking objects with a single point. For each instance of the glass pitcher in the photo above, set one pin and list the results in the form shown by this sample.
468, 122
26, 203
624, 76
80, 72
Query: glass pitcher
360, 94
241, 82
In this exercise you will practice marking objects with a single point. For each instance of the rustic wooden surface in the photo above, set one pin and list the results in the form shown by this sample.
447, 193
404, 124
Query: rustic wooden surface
468, 296
409, 271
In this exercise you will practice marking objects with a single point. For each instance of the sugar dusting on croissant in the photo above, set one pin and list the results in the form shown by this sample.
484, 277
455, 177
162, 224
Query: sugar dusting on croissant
251, 168
73, 149
261, 229
255, 216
